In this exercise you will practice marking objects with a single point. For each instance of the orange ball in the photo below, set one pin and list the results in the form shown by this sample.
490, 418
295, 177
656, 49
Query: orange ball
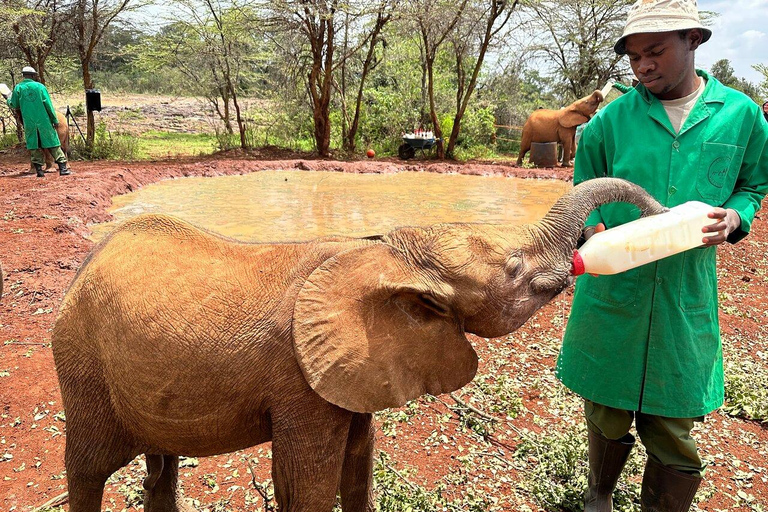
371, 153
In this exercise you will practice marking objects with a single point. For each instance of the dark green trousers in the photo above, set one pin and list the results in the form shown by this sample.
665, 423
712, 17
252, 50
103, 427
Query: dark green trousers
667, 440
58, 155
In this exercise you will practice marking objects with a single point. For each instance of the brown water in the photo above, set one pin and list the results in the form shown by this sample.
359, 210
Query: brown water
300, 205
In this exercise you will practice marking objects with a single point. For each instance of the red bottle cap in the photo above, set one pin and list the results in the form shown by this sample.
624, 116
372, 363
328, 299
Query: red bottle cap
577, 265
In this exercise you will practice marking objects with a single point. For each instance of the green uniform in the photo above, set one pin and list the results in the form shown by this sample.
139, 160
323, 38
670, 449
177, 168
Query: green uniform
37, 113
648, 339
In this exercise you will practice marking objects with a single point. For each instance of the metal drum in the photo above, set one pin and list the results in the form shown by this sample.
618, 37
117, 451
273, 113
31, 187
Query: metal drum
544, 154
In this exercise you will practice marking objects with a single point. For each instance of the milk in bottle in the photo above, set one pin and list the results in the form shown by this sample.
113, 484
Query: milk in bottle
644, 240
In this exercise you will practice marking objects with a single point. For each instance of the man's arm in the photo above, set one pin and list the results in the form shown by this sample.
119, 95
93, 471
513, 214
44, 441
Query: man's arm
752, 182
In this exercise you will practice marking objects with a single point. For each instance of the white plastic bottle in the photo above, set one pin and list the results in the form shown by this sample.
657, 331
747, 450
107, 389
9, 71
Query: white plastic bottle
644, 240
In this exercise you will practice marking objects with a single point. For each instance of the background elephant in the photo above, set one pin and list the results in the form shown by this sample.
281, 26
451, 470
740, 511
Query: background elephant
63, 132
175, 341
545, 125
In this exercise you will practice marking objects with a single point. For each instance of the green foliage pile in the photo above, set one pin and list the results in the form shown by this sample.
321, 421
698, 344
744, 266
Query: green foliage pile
746, 387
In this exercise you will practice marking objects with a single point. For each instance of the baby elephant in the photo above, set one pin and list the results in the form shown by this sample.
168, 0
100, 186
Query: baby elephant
558, 126
176, 341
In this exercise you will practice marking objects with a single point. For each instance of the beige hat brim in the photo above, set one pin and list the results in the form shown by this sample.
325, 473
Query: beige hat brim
652, 26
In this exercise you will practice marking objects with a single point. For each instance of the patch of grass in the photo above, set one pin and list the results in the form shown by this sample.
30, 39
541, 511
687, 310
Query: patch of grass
396, 492
8, 140
558, 469
106, 146
157, 144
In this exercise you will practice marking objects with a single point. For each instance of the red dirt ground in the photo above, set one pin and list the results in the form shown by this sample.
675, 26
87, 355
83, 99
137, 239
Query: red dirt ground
42, 245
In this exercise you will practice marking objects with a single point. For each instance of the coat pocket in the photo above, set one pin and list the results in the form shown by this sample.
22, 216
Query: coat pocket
698, 284
719, 166
617, 290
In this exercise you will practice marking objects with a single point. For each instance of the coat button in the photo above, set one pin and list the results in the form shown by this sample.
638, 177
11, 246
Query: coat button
672, 190
675, 144
659, 280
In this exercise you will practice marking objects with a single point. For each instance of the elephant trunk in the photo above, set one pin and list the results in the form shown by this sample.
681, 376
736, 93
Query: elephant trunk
562, 225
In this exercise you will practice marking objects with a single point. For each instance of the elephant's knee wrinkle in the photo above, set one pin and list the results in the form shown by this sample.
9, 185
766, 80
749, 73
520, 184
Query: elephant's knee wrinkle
154, 470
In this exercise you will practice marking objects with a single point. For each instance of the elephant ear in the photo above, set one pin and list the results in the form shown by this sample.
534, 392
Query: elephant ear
571, 118
371, 333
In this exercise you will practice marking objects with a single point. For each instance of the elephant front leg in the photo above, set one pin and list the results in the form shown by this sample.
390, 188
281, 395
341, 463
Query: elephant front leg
357, 475
525, 145
307, 457
567, 148
161, 492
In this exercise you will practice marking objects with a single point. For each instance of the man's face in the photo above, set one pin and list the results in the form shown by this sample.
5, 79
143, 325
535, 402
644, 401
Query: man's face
765, 107
663, 61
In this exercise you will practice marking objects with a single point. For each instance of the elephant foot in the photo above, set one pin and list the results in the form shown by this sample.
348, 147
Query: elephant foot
164, 503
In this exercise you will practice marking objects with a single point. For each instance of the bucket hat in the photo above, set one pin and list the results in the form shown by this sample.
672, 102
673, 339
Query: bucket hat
649, 16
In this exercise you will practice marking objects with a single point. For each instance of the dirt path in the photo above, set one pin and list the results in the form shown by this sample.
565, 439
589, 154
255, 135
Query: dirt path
42, 245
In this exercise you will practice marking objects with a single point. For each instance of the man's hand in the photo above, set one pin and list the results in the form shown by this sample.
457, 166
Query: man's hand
591, 230
726, 222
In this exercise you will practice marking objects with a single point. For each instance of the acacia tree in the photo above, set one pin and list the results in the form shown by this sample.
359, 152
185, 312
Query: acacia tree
581, 35
318, 53
212, 44
90, 19
384, 14
37, 26
723, 71
763, 70
434, 21
483, 21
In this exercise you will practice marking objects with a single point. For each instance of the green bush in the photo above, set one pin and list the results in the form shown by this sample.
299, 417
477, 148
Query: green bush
8, 140
106, 146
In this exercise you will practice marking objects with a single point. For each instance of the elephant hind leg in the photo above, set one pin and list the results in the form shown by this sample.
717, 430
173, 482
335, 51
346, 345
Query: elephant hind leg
89, 464
161, 492
357, 473
96, 443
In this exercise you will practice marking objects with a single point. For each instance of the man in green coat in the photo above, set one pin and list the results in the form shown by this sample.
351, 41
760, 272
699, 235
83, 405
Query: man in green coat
644, 345
31, 99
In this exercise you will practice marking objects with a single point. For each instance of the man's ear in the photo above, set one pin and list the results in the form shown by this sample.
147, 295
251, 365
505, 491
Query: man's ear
695, 36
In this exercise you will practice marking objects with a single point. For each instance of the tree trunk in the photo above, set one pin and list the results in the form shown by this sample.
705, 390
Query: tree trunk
440, 151
90, 130
351, 135
240, 123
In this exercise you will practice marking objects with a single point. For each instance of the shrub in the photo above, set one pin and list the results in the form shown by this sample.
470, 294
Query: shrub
8, 140
106, 146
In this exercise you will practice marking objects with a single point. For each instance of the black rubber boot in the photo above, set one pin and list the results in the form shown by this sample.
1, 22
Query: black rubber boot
666, 489
63, 170
606, 460
39, 171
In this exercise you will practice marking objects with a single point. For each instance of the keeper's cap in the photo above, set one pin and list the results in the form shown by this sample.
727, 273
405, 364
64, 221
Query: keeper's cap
650, 16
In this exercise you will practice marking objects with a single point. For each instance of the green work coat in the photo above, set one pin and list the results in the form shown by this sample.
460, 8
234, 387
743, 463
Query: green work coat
37, 113
648, 339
